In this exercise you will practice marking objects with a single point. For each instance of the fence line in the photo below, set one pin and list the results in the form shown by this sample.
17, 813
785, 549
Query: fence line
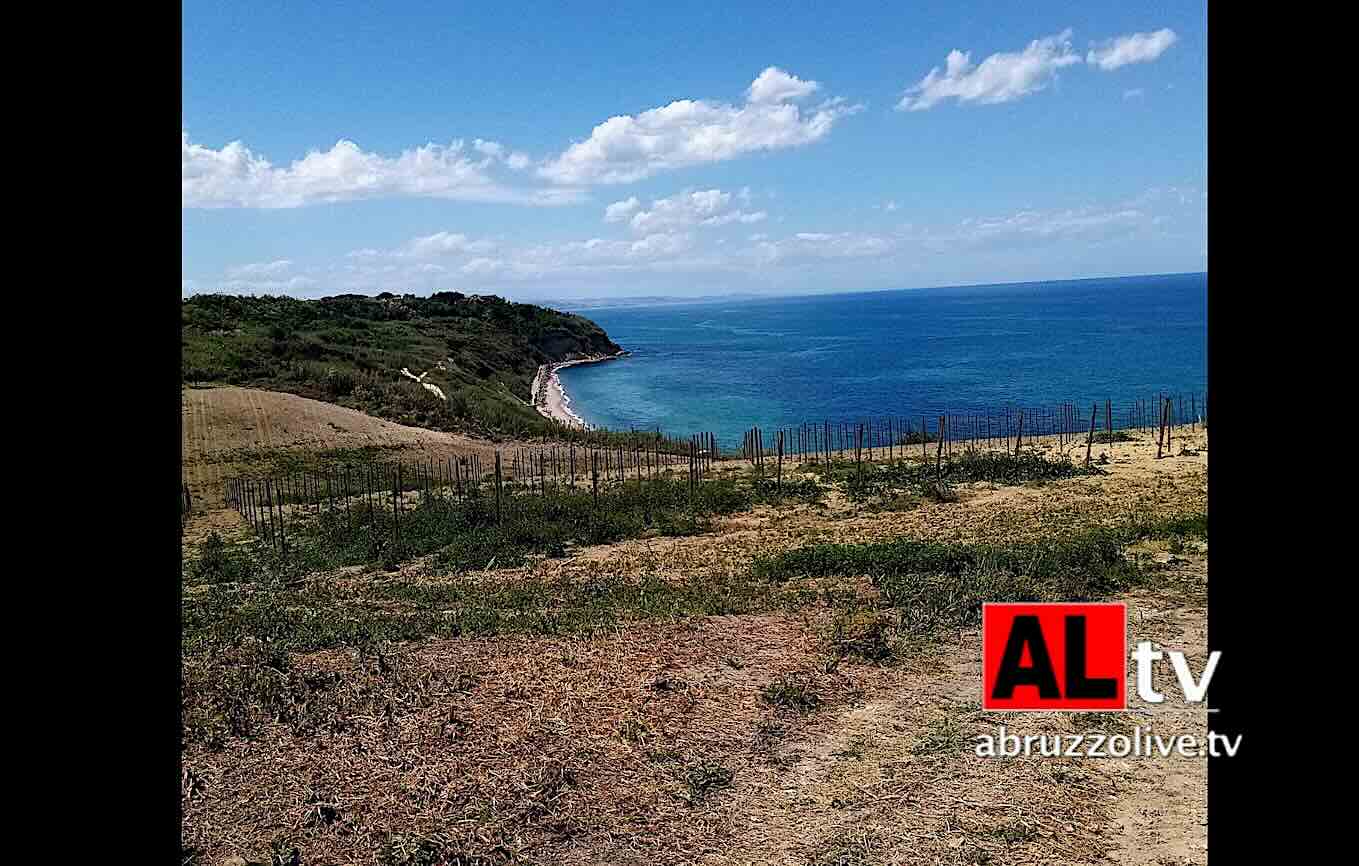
269, 503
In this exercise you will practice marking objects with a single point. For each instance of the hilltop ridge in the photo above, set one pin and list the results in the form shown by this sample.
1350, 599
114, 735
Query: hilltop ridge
450, 361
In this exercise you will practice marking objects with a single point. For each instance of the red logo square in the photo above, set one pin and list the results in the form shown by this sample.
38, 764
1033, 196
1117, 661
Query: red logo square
1054, 656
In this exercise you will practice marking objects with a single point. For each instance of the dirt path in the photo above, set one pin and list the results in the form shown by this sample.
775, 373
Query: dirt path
599, 738
893, 780
883, 773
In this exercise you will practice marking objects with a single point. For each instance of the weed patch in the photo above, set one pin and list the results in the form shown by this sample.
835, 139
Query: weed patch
703, 779
792, 692
934, 585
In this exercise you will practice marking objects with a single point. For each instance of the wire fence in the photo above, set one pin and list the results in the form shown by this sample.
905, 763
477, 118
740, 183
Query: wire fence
271, 503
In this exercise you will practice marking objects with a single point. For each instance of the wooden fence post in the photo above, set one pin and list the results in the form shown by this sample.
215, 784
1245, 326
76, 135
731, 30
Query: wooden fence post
1090, 440
780, 480
1161, 430
939, 450
498, 480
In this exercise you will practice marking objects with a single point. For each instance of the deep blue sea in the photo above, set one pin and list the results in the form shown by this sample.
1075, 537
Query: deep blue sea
727, 365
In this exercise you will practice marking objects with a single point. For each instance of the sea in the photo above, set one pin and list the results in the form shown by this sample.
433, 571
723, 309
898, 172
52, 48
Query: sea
725, 366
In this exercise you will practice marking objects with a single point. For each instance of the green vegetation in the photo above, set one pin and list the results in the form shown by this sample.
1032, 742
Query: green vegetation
321, 617
239, 640
770, 491
933, 585
217, 563
925, 585
1104, 437
703, 779
467, 533
792, 692
482, 351
899, 485
862, 631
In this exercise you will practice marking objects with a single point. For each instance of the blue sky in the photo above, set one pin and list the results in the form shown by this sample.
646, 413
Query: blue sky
546, 152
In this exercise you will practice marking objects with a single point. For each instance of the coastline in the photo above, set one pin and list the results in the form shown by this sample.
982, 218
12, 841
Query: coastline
549, 395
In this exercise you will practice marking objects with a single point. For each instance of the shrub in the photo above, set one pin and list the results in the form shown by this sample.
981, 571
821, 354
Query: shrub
218, 564
339, 383
862, 633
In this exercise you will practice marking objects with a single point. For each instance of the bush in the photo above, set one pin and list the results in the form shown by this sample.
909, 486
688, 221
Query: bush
863, 633
934, 585
339, 383
792, 692
216, 563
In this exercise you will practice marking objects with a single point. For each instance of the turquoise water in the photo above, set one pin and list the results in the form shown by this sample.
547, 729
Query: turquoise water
725, 366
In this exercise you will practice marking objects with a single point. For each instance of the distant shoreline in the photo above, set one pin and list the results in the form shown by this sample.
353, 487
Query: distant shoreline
549, 395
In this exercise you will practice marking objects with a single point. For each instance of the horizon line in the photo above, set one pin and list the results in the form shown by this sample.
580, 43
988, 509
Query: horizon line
602, 300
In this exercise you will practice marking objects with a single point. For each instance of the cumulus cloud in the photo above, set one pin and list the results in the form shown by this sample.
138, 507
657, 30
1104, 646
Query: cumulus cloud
1007, 76
622, 210
670, 241
235, 176
497, 151
1002, 77
774, 86
689, 132
708, 207
1133, 48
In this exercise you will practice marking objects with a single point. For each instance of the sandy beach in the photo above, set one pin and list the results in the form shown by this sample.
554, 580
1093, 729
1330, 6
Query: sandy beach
551, 399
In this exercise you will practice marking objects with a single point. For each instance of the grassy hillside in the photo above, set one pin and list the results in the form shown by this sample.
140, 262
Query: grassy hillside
482, 351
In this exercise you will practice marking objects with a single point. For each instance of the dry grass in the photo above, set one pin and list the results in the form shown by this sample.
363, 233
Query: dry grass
725, 739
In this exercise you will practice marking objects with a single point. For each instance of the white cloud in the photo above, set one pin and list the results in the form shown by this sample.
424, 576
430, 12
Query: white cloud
805, 246
260, 269
1133, 48
622, 210
493, 149
435, 246
1007, 76
296, 286
689, 132
670, 250
1029, 229
658, 251
1001, 77
774, 86
1064, 223
481, 266
737, 216
235, 176
443, 243
1134, 93
660, 245
709, 207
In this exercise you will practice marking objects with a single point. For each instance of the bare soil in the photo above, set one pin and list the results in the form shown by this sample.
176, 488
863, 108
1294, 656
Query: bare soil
655, 744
